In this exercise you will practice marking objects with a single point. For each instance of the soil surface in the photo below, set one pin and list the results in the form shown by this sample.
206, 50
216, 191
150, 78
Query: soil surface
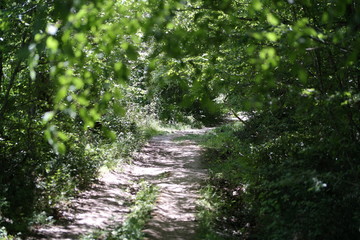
171, 164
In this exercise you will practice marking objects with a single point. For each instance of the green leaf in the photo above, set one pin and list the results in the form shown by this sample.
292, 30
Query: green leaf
119, 110
81, 37
64, 80
62, 136
257, 36
38, 37
118, 66
78, 82
107, 97
83, 100
110, 134
325, 17
271, 36
132, 53
47, 135
52, 43
48, 116
308, 91
60, 147
272, 19
94, 114
257, 5
121, 72
170, 25
303, 76
61, 94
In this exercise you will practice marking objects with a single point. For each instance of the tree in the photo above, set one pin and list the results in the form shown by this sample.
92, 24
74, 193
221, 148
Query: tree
293, 66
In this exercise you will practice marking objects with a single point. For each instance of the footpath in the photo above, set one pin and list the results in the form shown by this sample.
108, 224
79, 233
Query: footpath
172, 165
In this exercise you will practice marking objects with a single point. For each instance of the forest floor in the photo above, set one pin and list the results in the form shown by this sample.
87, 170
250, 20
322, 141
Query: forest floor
166, 161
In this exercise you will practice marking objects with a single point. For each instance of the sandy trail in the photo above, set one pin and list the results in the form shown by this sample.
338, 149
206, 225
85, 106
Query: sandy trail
174, 166
105, 204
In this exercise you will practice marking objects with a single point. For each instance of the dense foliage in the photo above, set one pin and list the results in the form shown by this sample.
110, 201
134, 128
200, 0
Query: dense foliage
294, 68
63, 92
69, 69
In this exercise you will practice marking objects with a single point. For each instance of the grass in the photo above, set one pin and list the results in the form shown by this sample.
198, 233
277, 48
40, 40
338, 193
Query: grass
198, 138
5, 236
207, 211
131, 228
154, 127
214, 209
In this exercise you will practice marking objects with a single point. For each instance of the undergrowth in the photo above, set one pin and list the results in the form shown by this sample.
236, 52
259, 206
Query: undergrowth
107, 145
208, 207
5, 236
221, 210
275, 178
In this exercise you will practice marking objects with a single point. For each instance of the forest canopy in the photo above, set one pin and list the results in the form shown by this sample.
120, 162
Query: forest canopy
75, 73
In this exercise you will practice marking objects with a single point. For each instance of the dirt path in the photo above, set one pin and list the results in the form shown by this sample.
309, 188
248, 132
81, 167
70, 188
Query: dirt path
172, 165
175, 167
105, 204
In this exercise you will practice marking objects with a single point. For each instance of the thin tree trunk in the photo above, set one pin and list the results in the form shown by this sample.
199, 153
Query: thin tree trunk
319, 70
2, 6
7, 94
1, 70
238, 117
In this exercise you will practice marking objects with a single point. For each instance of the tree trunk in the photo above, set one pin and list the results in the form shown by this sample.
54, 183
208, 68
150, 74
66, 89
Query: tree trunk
2, 6
7, 94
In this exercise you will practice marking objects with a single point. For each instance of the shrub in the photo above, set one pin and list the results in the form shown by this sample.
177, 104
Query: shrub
297, 181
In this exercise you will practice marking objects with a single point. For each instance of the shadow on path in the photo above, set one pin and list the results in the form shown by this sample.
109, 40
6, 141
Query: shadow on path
174, 166
105, 204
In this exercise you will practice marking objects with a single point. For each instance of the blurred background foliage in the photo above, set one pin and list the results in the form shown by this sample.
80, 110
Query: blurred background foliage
76, 75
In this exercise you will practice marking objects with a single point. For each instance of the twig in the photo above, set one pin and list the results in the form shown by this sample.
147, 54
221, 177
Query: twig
237, 116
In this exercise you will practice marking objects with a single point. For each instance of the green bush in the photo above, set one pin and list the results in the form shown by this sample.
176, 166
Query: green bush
282, 180
45, 178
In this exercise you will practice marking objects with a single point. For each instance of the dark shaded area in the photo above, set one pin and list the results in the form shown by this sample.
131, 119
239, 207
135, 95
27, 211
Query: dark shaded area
282, 179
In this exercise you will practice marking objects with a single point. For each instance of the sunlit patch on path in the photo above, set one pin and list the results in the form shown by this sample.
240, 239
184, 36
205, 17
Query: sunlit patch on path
102, 206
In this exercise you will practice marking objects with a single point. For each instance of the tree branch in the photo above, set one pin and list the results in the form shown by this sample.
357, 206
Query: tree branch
237, 116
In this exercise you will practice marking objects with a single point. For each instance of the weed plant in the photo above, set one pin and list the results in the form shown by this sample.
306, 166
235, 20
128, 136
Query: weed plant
132, 227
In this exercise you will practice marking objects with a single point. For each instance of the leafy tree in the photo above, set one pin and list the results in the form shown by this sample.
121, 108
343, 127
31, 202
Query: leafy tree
293, 67
69, 67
